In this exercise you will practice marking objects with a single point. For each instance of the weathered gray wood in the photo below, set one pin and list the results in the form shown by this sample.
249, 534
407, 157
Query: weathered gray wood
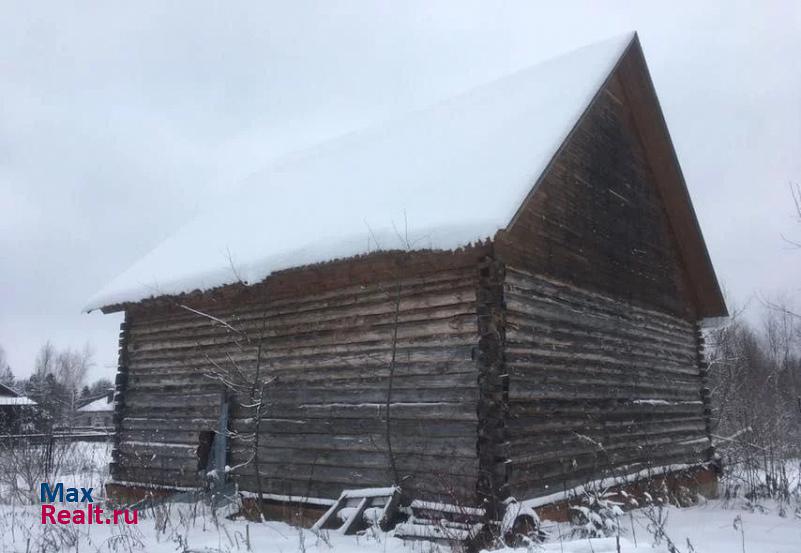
493, 384
350, 525
415, 462
329, 427
327, 353
595, 385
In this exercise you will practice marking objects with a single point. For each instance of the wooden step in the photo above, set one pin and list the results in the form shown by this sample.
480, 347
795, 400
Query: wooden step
357, 509
441, 523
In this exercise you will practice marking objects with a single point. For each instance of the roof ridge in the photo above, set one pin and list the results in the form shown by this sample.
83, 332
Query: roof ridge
388, 123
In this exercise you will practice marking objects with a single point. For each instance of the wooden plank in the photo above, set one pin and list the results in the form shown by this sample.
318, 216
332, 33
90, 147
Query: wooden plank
351, 523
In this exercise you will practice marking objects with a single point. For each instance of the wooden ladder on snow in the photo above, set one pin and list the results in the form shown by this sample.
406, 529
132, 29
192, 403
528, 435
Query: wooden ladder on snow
356, 509
441, 523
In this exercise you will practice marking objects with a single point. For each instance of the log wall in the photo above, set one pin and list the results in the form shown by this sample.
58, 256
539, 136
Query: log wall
596, 386
493, 386
328, 351
601, 346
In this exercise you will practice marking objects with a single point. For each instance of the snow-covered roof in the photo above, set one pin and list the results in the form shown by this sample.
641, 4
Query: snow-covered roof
9, 396
21, 400
100, 404
444, 177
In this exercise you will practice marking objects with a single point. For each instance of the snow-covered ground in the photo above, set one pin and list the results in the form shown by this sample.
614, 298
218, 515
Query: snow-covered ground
708, 528
715, 526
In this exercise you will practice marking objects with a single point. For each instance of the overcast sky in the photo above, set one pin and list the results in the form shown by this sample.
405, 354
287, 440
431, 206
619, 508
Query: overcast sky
118, 121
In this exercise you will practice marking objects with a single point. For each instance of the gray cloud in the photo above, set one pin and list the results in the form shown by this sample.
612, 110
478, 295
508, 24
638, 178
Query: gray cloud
118, 122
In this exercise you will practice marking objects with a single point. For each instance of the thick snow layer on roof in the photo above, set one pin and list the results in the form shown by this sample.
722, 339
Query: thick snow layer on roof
445, 177
101, 404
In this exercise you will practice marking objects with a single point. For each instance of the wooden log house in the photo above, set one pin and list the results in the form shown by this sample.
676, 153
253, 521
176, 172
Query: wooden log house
540, 329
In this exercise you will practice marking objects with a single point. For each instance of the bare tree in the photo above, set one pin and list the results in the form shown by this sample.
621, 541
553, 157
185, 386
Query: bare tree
755, 373
393, 358
100, 386
45, 360
394, 294
795, 193
245, 385
6, 375
58, 376
71, 367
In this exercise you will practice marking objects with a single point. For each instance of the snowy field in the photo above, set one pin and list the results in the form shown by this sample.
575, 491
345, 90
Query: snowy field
714, 526
709, 528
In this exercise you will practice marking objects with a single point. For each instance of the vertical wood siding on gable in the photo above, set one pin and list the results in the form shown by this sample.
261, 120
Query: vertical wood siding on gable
597, 220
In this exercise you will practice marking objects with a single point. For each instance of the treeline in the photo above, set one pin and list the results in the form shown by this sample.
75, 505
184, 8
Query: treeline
755, 380
57, 384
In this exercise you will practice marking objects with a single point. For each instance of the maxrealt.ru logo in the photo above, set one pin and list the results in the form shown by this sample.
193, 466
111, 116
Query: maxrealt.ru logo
85, 513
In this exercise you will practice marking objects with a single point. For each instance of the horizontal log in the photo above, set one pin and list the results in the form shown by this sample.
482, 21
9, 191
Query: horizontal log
285, 396
547, 317
427, 411
555, 478
630, 383
604, 407
448, 340
348, 474
530, 284
568, 446
165, 477
426, 429
541, 426
530, 362
186, 437
329, 300
241, 453
452, 303
355, 382
312, 372
175, 410
449, 445
533, 354
369, 355
617, 459
158, 462
168, 423
548, 336
448, 489
338, 335
607, 391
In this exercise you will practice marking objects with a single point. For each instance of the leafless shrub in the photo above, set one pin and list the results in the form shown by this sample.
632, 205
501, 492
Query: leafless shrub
27, 462
755, 377
245, 384
598, 515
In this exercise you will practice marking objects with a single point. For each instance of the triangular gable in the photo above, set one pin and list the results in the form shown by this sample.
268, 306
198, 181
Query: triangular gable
655, 137
612, 211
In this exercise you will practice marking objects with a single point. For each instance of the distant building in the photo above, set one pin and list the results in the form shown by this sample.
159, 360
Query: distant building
13, 408
98, 413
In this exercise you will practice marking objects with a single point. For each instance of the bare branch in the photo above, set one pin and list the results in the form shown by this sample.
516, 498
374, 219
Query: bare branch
214, 319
